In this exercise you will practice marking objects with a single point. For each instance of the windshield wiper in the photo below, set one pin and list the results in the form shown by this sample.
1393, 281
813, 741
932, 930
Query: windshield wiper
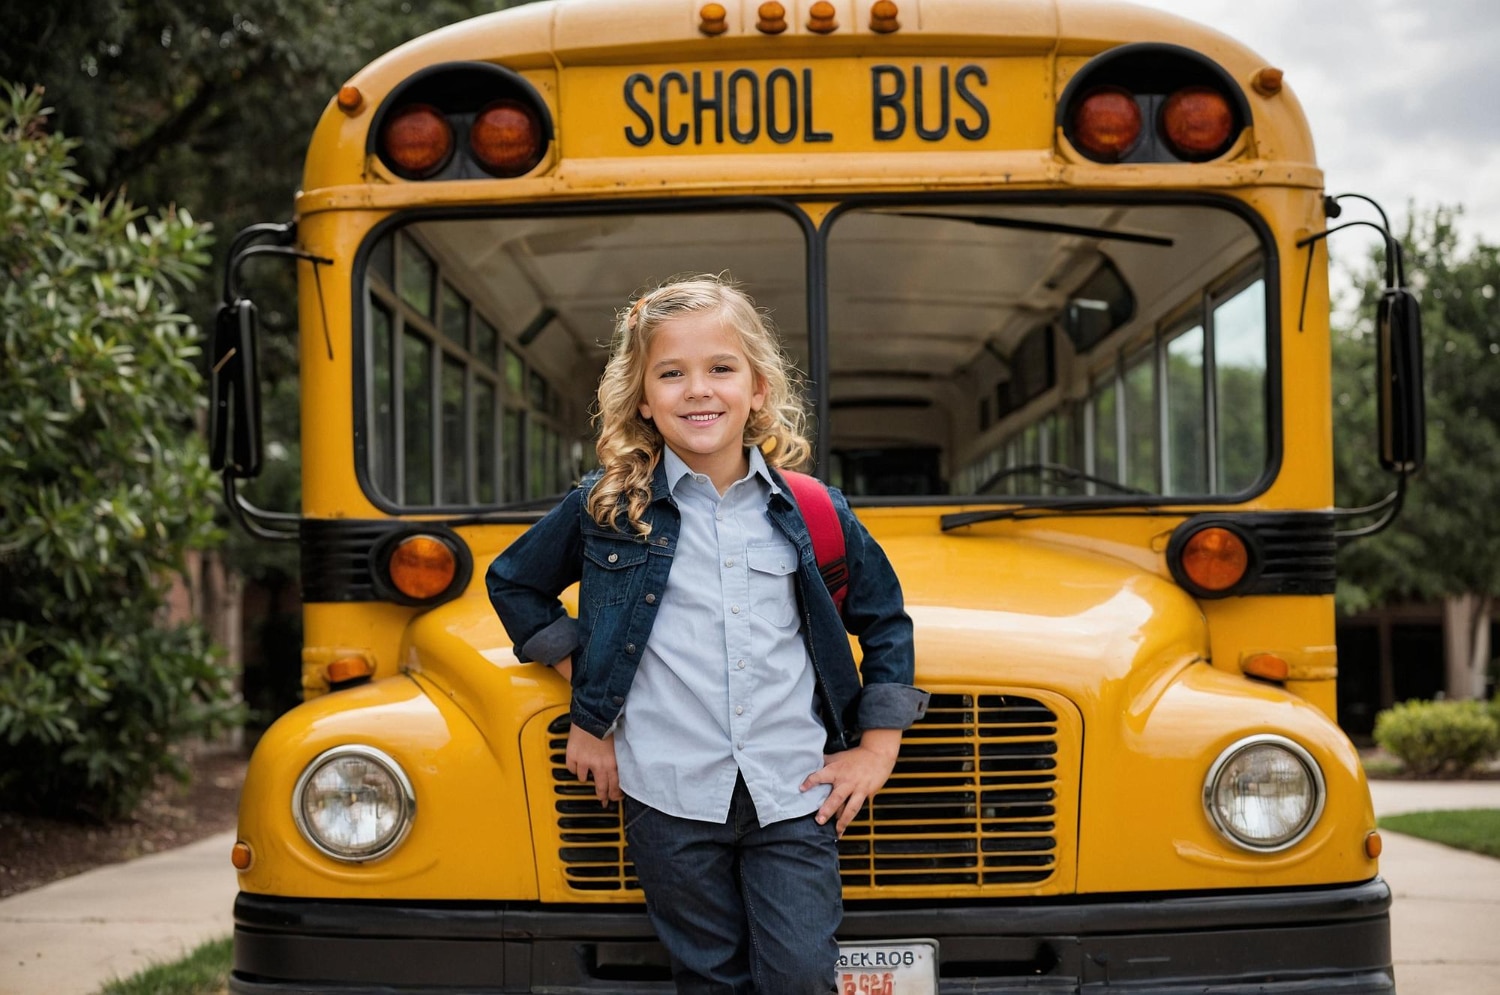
544, 503
959, 519
1066, 473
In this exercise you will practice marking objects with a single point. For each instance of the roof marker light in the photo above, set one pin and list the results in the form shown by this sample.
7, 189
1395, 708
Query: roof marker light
771, 18
712, 19
883, 17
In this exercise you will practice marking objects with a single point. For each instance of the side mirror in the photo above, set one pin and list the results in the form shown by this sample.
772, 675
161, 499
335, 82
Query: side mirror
1403, 419
234, 392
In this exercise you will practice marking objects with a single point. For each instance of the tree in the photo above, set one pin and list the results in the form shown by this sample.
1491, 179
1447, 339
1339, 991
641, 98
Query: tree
104, 484
1446, 542
208, 104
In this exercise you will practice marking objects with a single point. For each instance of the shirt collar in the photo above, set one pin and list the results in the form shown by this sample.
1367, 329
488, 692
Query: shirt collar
676, 469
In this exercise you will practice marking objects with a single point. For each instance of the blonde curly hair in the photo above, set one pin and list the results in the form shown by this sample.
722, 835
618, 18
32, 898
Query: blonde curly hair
630, 447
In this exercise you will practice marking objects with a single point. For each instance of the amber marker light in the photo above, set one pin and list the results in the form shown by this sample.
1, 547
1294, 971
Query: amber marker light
1107, 123
422, 567
1373, 845
770, 18
350, 99
1266, 666
712, 19
1215, 558
1197, 122
1268, 81
506, 138
883, 17
349, 668
821, 18
417, 140
240, 855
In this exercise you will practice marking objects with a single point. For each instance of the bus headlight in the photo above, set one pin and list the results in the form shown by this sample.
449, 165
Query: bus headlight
1264, 793
354, 803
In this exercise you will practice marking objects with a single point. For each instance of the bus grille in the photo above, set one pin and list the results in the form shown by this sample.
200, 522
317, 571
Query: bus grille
972, 806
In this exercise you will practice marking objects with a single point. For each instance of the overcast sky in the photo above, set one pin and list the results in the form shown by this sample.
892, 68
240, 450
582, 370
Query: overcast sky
1403, 98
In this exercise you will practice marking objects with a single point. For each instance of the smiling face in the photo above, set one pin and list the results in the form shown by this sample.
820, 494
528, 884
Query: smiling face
700, 390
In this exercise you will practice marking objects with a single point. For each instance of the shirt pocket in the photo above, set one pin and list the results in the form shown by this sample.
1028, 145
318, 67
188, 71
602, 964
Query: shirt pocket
773, 595
608, 564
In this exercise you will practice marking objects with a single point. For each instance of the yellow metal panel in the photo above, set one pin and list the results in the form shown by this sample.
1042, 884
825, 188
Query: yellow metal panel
466, 839
889, 104
1143, 825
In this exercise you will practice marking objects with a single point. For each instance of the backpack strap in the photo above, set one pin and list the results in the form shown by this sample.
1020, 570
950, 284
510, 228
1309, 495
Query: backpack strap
827, 535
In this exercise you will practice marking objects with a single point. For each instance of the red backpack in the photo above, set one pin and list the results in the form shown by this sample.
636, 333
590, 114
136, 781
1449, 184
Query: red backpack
826, 533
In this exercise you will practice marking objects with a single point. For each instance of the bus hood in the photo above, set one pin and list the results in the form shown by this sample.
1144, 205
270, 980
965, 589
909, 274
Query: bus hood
1030, 613
1015, 612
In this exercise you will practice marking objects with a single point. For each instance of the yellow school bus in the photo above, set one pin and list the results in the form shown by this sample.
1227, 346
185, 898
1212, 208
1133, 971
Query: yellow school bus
1054, 273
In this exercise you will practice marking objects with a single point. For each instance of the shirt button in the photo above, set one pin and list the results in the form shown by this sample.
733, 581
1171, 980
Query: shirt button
740, 745
735, 609
729, 562
739, 709
740, 665
613, 557
650, 599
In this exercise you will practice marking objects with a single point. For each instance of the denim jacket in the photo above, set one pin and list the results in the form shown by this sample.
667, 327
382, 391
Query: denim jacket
621, 576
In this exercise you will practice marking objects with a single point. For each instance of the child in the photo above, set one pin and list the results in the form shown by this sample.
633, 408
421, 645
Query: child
710, 669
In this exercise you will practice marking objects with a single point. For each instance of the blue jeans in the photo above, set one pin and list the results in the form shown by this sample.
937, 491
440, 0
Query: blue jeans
741, 909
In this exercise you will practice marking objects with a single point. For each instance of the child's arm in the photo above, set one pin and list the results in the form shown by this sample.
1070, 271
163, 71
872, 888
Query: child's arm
855, 775
525, 580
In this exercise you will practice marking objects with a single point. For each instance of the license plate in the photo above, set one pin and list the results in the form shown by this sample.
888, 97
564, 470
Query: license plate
897, 967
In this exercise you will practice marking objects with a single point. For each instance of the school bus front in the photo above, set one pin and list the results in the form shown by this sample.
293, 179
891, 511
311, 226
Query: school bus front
1039, 263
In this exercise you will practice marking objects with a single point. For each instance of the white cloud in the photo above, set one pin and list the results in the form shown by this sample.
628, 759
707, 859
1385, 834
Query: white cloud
1403, 99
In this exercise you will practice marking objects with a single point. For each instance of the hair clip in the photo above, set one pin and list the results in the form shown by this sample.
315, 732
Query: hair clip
635, 313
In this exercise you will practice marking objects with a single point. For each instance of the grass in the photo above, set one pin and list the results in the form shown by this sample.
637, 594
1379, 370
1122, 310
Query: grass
205, 971
1379, 765
1475, 829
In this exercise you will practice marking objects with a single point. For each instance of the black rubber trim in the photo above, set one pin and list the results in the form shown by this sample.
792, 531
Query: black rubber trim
342, 561
459, 90
1328, 939
1291, 553
1150, 72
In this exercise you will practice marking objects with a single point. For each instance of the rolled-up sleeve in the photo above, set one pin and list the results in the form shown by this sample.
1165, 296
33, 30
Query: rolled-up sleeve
558, 641
525, 580
891, 706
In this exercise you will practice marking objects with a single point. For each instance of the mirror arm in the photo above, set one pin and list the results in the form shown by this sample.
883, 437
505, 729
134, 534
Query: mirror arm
1392, 504
275, 526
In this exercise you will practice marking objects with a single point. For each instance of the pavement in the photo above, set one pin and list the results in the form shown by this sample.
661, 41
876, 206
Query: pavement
72, 936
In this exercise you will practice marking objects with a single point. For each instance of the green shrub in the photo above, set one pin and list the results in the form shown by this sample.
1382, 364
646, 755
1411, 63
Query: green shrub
1436, 737
104, 485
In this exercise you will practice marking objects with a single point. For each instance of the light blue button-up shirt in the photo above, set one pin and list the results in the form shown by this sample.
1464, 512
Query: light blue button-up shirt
725, 685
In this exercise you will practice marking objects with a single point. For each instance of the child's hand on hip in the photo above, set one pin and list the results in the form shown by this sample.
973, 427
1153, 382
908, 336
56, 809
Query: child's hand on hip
856, 775
590, 757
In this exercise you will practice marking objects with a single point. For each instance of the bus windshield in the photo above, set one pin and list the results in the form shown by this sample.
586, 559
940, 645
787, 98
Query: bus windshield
989, 350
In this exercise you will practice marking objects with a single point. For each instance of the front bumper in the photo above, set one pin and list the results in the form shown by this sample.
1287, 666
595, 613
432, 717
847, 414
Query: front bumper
1324, 940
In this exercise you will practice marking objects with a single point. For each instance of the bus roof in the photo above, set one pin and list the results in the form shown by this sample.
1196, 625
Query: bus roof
544, 41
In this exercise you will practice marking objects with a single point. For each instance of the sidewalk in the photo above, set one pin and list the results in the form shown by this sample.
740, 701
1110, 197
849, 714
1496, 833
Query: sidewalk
70, 937
1446, 902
